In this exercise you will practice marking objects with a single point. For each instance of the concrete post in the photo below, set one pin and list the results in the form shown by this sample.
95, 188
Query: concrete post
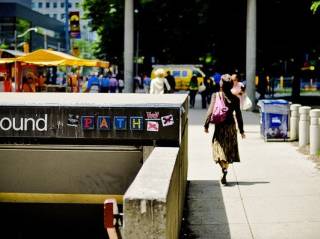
304, 123
314, 132
251, 50
294, 121
128, 46
66, 25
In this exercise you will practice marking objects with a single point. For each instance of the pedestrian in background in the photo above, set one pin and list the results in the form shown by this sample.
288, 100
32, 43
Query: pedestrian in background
224, 141
120, 83
137, 84
93, 85
203, 92
2, 79
210, 88
113, 84
104, 83
41, 84
158, 84
193, 90
29, 83
238, 88
146, 83
172, 82
84, 84
73, 83
216, 77
7, 83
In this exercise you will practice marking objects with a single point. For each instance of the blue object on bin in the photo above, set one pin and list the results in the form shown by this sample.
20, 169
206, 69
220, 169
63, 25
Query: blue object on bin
274, 116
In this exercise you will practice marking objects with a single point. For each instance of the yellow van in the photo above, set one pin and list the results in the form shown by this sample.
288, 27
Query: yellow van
182, 74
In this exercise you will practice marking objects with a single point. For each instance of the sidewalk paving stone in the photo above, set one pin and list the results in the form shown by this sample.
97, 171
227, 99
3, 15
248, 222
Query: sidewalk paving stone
274, 191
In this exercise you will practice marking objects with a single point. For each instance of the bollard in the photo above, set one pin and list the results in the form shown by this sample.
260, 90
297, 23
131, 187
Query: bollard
294, 121
314, 132
304, 123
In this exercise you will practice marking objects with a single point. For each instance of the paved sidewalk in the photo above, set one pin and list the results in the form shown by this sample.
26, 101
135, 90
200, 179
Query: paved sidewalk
274, 192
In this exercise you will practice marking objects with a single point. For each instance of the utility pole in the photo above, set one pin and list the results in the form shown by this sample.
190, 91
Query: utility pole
137, 54
128, 46
251, 50
66, 24
45, 38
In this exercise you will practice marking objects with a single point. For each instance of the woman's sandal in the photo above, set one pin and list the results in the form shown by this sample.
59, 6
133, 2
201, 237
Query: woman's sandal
224, 177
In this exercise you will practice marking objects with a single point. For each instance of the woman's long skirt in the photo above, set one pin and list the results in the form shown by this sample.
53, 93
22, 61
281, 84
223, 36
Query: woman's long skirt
225, 143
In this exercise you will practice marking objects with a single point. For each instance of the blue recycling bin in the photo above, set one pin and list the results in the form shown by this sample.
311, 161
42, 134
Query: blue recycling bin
274, 118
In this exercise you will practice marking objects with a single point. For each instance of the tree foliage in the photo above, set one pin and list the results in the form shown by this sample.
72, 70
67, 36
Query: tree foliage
107, 21
314, 6
165, 28
172, 31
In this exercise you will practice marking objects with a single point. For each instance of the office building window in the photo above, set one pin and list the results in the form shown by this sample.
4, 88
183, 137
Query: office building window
70, 5
39, 4
33, 5
55, 15
77, 5
62, 4
47, 4
55, 5
62, 16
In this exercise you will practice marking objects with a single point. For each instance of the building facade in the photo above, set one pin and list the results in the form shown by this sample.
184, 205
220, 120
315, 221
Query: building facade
56, 9
16, 19
26, 3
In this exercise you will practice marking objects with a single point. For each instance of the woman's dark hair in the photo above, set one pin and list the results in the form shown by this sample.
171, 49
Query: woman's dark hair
227, 83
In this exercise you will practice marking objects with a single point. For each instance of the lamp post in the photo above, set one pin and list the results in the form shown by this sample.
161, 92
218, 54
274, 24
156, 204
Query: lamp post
66, 24
21, 35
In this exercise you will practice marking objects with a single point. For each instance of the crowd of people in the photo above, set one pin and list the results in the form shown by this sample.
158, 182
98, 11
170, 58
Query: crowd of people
163, 82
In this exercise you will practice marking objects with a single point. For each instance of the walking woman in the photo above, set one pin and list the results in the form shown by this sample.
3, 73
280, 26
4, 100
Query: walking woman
224, 142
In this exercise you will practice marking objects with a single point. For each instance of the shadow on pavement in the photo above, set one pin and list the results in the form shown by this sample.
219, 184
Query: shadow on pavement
232, 184
205, 214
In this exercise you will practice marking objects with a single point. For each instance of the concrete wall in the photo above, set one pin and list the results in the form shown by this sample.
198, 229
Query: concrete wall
153, 203
72, 170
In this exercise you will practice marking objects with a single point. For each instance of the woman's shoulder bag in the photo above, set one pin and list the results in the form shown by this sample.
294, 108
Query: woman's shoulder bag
220, 110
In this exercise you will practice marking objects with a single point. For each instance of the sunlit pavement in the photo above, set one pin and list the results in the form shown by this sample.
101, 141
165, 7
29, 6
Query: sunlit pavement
273, 193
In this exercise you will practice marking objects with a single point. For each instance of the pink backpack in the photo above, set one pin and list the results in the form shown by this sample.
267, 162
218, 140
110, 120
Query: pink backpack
220, 110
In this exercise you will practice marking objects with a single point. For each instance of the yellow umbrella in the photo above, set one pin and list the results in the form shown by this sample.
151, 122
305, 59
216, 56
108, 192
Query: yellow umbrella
6, 60
93, 63
55, 58
48, 57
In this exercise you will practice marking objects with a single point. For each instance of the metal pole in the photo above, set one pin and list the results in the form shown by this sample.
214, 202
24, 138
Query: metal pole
15, 62
66, 24
128, 46
15, 39
137, 54
45, 40
251, 50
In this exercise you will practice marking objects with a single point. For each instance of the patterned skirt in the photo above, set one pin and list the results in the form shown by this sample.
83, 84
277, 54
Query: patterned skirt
225, 143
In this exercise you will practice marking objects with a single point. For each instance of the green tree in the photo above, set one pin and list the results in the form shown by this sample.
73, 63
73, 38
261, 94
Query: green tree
86, 48
107, 21
314, 6
165, 29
